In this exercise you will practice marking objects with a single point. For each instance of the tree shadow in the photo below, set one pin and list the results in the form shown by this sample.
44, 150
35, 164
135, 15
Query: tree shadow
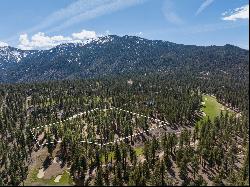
63, 163
47, 162
173, 126
173, 157
143, 137
171, 172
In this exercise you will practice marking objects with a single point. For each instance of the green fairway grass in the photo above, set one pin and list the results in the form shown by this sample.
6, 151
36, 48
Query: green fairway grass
212, 107
65, 180
138, 151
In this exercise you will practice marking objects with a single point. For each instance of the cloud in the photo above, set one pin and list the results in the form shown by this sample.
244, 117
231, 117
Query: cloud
3, 44
75, 12
42, 41
81, 10
96, 11
84, 35
169, 13
238, 13
203, 6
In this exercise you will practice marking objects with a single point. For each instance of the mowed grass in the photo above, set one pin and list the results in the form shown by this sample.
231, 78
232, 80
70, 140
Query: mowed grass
138, 151
32, 179
65, 179
212, 107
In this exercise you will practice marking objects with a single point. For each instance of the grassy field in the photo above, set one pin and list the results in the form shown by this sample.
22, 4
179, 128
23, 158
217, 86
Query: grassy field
138, 151
32, 179
212, 107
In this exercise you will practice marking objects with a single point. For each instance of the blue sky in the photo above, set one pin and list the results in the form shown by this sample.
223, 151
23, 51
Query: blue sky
42, 24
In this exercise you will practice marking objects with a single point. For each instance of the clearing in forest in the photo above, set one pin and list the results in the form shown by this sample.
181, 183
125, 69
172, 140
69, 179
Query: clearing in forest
212, 108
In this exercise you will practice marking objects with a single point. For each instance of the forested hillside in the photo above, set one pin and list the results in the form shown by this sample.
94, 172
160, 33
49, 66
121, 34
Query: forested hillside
124, 111
124, 130
115, 55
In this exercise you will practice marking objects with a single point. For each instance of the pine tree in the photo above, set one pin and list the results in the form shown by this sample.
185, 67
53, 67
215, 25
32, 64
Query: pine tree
99, 177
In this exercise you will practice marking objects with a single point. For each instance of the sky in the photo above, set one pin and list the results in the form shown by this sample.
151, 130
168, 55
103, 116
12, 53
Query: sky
43, 24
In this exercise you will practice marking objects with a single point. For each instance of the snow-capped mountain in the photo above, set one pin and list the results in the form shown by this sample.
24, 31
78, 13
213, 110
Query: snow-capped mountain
11, 56
111, 55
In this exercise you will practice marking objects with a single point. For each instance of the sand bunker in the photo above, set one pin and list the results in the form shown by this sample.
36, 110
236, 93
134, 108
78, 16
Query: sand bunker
57, 179
40, 173
222, 108
55, 160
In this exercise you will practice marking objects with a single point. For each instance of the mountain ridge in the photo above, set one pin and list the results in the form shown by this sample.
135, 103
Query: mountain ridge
110, 55
130, 36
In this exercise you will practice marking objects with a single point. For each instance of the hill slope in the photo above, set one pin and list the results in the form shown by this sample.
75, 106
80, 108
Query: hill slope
111, 55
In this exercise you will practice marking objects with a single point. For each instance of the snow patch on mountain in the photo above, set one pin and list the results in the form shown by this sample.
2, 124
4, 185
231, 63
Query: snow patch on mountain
3, 44
10, 55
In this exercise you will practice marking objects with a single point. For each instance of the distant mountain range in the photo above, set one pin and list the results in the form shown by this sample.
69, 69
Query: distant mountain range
114, 55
